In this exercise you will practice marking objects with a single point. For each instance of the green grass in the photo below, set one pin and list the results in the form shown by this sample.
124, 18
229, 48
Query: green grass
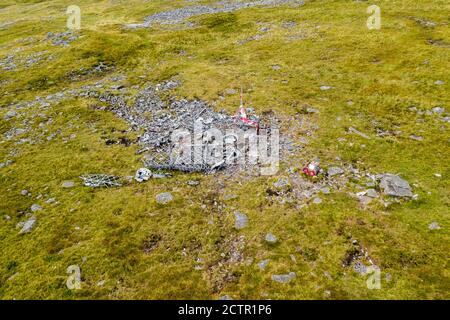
105, 231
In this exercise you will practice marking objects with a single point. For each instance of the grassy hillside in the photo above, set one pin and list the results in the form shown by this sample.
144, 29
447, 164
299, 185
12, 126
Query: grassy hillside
384, 83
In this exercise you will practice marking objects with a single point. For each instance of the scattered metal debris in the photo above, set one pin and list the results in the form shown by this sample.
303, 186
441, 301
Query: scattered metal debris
351, 129
181, 14
100, 180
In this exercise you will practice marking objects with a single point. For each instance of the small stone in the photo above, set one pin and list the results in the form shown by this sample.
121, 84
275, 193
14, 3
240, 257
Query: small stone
28, 225
328, 275
271, 238
193, 183
325, 88
263, 264
332, 171
312, 110
159, 175
317, 200
276, 67
438, 110
415, 137
434, 226
439, 82
35, 207
225, 297
68, 184
284, 278
241, 220
372, 193
164, 198
24, 192
7, 218
438, 175
51, 200
364, 200
229, 197
325, 190
230, 91
10, 114
281, 183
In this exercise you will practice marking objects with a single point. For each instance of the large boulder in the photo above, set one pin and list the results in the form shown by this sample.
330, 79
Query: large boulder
393, 185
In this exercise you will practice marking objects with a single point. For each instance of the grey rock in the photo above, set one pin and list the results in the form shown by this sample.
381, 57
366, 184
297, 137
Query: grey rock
35, 207
271, 238
160, 175
281, 183
276, 67
393, 185
312, 110
10, 114
7, 217
317, 200
332, 171
438, 110
230, 91
415, 137
325, 190
434, 226
263, 264
284, 278
364, 200
325, 88
68, 184
229, 197
439, 82
289, 24
359, 133
24, 192
241, 220
225, 297
164, 198
372, 193
193, 183
28, 225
